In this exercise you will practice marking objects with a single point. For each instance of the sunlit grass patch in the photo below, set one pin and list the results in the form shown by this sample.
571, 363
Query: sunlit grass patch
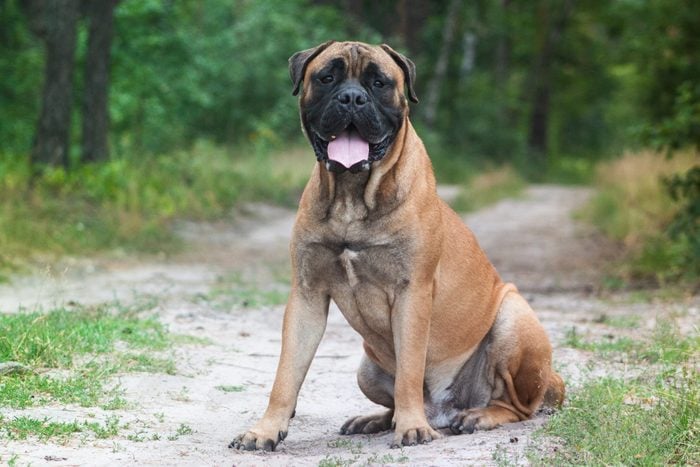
68, 355
489, 187
55, 338
23, 427
653, 419
82, 388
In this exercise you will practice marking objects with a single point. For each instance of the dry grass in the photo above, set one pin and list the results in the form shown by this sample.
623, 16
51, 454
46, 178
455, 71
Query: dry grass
635, 181
489, 187
634, 207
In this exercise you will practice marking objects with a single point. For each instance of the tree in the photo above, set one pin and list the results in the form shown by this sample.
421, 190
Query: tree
550, 32
100, 15
435, 84
55, 22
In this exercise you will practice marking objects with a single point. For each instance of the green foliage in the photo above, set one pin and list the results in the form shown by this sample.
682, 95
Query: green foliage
682, 126
212, 69
189, 77
130, 203
21, 68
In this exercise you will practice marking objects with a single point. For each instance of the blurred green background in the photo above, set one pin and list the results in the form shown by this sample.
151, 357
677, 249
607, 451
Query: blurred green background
117, 117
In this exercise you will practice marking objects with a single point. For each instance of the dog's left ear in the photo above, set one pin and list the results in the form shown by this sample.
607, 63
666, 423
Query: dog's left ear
408, 67
300, 60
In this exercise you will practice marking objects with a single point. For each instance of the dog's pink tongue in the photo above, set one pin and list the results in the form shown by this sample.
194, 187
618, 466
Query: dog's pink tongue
348, 149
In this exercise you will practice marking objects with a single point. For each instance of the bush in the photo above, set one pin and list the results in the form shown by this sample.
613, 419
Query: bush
131, 202
634, 207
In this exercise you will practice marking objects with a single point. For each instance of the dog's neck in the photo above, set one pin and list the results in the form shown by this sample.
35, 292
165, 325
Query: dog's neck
357, 196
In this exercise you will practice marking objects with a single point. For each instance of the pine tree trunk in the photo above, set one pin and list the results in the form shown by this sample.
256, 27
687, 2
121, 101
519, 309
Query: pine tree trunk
52, 140
100, 15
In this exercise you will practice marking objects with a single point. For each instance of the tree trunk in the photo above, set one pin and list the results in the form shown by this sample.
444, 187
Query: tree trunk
504, 46
435, 84
52, 140
100, 16
542, 83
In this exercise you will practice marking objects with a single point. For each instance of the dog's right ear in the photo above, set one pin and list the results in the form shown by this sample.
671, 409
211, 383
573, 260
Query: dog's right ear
300, 60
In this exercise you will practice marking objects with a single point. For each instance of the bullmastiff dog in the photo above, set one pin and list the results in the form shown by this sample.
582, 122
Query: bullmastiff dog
447, 344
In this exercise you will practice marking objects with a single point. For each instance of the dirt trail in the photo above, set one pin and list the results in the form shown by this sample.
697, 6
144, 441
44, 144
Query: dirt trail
533, 241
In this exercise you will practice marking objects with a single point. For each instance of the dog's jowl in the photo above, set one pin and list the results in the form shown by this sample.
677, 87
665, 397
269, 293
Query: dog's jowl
447, 344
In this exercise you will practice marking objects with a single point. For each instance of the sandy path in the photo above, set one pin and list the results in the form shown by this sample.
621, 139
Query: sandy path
533, 242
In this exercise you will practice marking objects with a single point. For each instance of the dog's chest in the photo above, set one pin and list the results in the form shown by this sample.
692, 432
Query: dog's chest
366, 284
356, 267
363, 278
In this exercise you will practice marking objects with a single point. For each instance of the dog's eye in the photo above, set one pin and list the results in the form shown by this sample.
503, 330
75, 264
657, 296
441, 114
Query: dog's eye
327, 79
378, 84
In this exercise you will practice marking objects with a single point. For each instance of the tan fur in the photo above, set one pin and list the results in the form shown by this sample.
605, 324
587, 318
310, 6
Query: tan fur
419, 290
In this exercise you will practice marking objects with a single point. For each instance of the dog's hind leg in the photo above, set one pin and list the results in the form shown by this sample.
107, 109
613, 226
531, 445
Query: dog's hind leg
519, 370
378, 386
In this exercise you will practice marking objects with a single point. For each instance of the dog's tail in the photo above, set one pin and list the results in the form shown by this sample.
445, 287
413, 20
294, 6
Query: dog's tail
554, 396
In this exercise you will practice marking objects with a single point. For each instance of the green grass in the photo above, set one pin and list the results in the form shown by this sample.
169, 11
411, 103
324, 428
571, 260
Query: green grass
621, 322
21, 428
72, 353
55, 338
653, 419
489, 187
233, 291
615, 422
182, 430
665, 345
130, 203
230, 388
133, 362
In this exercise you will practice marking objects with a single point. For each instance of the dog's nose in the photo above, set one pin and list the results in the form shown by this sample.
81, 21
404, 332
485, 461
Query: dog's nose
352, 97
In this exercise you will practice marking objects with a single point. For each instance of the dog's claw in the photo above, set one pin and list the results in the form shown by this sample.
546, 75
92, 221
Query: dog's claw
415, 436
251, 442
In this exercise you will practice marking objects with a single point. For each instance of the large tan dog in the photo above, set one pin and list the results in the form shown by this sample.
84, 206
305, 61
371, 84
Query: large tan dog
447, 343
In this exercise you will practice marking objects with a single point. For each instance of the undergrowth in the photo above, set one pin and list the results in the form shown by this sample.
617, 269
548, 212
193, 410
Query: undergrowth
489, 187
130, 203
634, 207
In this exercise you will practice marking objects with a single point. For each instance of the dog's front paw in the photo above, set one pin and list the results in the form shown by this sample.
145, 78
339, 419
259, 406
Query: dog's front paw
368, 424
250, 441
413, 436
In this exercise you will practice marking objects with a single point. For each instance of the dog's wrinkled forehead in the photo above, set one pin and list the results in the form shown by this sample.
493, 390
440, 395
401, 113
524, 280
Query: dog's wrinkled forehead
356, 57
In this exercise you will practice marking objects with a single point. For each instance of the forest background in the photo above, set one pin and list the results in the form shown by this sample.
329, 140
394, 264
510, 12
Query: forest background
120, 117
